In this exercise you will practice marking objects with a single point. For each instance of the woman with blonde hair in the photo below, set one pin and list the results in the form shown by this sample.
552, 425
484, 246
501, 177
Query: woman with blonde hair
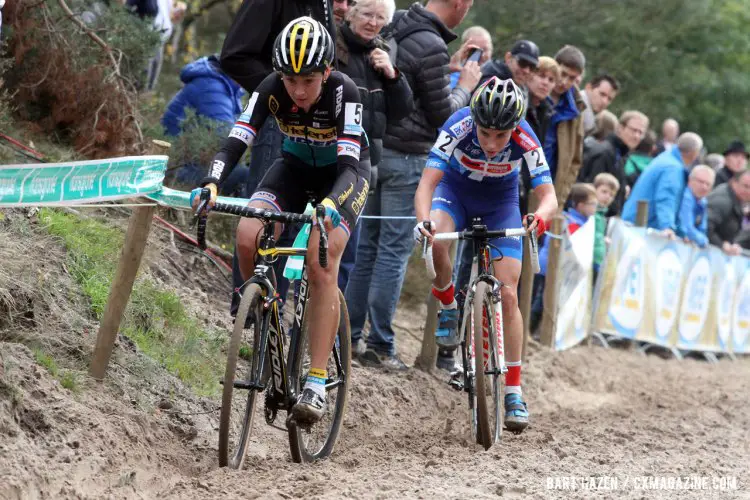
363, 55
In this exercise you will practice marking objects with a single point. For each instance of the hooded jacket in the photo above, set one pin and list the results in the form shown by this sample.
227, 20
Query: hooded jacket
207, 90
607, 156
724, 215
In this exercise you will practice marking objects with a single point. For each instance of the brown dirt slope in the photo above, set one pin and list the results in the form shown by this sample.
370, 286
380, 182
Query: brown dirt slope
142, 434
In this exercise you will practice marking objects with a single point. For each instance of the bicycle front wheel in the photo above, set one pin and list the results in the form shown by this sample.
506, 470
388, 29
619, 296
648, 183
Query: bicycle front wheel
488, 408
235, 424
317, 442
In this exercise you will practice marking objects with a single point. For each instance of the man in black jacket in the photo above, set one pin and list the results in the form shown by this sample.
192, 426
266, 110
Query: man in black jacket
735, 161
422, 35
610, 155
726, 214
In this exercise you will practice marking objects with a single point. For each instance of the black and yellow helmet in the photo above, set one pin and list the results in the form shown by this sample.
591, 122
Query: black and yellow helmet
303, 46
498, 104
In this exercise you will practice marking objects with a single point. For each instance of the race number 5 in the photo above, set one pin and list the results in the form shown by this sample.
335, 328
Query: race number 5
353, 118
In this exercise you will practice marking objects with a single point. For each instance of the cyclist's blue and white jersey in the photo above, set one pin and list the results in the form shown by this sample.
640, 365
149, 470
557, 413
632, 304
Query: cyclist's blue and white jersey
476, 186
457, 151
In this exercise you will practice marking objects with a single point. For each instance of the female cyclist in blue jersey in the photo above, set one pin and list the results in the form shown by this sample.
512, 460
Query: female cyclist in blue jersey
472, 171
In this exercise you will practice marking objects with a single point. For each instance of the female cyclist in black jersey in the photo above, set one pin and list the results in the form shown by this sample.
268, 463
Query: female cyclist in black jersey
320, 114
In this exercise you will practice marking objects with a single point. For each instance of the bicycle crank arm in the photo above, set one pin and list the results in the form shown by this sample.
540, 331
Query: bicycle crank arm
248, 386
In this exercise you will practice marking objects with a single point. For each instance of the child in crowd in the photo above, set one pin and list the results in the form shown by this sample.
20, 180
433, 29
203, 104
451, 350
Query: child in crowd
583, 202
606, 186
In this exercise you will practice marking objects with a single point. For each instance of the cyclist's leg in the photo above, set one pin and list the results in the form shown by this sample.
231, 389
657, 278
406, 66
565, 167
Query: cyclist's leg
508, 271
324, 307
441, 249
277, 193
449, 214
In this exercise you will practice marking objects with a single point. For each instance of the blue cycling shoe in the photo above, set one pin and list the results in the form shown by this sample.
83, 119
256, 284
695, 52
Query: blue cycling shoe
516, 413
446, 334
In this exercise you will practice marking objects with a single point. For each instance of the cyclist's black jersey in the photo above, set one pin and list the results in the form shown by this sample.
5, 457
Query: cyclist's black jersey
330, 133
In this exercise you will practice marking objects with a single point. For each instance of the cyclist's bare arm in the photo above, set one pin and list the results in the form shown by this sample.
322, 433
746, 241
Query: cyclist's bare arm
541, 183
545, 193
423, 198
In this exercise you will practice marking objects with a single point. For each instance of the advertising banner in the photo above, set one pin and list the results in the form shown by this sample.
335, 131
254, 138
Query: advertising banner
672, 294
69, 183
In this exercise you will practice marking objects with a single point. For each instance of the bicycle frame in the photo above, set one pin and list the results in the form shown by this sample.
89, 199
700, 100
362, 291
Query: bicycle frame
481, 270
271, 330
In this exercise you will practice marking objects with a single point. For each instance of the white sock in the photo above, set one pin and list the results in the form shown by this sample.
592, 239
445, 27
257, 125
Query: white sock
316, 382
513, 389
452, 305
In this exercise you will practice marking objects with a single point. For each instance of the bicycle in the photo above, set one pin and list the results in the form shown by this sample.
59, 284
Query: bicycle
255, 355
476, 329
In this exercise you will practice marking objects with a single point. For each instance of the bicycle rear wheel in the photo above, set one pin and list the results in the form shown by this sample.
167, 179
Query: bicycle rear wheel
234, 424
317, 442
488, 408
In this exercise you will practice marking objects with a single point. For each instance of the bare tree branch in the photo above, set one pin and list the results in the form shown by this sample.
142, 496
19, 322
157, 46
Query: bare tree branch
120, 81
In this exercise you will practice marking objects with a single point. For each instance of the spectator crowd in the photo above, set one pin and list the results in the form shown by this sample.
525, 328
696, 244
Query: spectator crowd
602, 165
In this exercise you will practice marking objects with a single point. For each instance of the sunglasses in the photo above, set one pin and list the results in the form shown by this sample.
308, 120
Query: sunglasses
524, 64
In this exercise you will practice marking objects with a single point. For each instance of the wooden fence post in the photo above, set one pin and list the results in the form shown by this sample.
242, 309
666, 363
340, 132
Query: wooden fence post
122, 286
527, 282
133, 247
549, 315
641, 214
428, 354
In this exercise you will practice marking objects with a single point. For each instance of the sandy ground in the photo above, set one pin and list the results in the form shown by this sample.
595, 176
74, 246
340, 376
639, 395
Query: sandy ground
595, 412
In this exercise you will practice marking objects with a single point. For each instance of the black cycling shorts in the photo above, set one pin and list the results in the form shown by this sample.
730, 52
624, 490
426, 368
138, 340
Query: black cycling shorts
289, 185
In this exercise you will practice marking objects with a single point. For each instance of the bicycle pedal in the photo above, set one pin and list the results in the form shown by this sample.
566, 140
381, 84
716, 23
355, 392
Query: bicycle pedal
455, 382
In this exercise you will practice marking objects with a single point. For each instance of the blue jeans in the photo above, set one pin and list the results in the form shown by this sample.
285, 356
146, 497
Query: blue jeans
384, 250
462, 266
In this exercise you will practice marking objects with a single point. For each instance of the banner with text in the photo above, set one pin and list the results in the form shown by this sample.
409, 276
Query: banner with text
575, 275
672, 294
68, 183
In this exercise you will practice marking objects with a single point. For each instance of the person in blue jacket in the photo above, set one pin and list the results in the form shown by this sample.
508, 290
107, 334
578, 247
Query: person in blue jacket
693, 219
213, 95
662, 184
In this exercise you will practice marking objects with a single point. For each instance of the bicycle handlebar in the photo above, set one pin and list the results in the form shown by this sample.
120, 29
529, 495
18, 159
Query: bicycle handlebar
264, 214
480, 233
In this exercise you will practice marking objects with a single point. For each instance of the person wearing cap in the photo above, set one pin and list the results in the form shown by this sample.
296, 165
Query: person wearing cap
519, 64
735, 161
